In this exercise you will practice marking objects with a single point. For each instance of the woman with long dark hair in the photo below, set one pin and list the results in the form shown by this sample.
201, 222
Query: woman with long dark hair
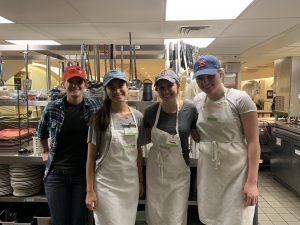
114, 163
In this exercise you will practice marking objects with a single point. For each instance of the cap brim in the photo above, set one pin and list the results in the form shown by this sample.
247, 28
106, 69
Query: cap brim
209, 71
172, 80
74, 75
113, 78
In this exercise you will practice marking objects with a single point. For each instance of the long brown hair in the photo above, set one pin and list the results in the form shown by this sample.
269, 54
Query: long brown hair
101, 119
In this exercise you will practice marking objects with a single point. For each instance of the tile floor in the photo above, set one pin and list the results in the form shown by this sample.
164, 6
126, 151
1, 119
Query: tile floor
277, 204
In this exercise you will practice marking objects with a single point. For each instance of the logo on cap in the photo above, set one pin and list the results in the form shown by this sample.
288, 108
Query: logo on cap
201, 63
163, 73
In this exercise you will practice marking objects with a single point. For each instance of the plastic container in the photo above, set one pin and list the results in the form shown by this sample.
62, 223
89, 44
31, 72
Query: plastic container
134, 95
37, 146
43, 220
42, 216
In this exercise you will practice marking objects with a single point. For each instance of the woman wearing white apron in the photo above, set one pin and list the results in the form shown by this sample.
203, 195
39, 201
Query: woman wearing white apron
113, 186
169, 124
229, 149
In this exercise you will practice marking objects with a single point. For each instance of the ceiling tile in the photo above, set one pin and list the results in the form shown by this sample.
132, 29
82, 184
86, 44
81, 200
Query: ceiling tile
272, 9
121, 11
73, 31
259, 28
18, 31
36, 11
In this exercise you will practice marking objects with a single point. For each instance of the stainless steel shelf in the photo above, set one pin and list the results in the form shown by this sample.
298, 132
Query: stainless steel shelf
14, 102
15, 158
11, 198
43, 198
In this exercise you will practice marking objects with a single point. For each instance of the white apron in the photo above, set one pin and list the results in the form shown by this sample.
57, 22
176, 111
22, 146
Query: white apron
222, 167
116, 180
167, 179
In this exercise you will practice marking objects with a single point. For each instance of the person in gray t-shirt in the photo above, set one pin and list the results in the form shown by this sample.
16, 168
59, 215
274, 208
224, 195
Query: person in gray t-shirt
168, 124
187, 119
114, 161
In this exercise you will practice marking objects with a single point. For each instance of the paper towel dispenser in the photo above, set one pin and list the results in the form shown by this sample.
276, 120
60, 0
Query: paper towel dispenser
232, 67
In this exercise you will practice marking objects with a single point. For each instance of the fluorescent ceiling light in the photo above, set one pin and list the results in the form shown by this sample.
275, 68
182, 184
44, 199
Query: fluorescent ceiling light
33, 42
198, 42
205, 10
3, 20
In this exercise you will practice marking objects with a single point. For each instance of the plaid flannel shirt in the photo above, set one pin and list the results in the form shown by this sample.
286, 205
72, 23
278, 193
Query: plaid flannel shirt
52, 119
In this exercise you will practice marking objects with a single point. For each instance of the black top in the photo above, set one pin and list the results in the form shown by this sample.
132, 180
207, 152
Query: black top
187, 119
71, 152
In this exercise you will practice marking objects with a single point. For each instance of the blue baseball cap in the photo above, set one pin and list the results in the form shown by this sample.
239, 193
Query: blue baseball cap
168, 75
113, 74
206, 65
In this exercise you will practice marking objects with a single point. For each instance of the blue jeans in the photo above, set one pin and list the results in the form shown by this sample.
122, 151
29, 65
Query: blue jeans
66, 198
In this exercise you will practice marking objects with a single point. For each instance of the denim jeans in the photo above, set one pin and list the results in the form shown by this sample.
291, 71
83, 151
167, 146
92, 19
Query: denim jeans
66, 198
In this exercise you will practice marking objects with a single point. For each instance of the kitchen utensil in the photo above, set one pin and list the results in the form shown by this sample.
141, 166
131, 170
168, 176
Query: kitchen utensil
147, 90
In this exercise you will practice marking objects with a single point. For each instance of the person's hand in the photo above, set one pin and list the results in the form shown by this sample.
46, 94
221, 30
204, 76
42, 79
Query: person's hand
142, 189
250, 194
91, 200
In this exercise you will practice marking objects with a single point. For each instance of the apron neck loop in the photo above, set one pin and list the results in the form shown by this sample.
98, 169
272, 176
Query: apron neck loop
158, 113
132, 114
224, 94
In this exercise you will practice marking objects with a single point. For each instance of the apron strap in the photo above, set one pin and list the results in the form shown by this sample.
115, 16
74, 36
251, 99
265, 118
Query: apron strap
157, 115
215, 156
160, 163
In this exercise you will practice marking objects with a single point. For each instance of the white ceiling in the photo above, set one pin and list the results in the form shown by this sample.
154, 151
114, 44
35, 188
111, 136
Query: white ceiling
266, 30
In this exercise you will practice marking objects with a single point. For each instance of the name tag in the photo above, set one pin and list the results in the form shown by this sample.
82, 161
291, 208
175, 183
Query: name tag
212, 119
171, 141
130, 131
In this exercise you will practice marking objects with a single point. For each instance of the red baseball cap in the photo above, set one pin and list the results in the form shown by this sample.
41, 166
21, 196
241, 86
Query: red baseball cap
74, 71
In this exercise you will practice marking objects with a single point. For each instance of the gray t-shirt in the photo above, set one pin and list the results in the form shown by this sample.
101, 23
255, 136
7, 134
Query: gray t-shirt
239, 102
187, 119
119, 124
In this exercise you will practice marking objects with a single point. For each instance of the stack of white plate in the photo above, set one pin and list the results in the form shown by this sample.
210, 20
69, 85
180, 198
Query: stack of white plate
5, 187
26, 180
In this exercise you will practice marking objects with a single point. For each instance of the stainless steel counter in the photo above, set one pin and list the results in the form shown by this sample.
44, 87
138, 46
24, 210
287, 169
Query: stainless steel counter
285, 154
14, 102
31, 158
295, 128
15, 158
139, 105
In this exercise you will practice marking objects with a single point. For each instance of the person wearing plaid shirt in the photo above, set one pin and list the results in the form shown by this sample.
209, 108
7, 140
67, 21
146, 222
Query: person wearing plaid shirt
66, 120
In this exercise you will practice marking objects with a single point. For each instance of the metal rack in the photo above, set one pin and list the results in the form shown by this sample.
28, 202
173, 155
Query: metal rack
22, 119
